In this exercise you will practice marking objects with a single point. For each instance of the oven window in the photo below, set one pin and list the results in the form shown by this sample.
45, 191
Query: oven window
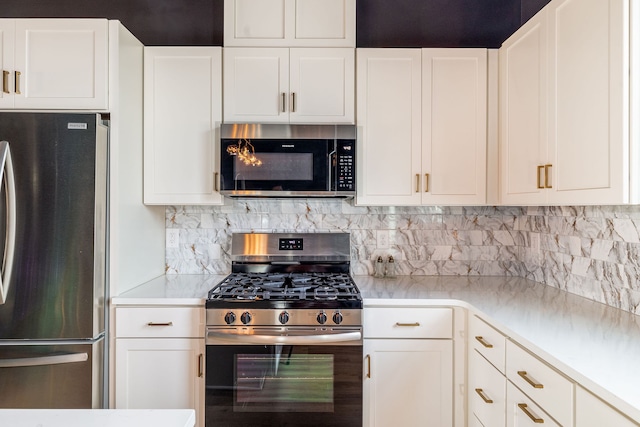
284, 382
283, 385
277, 167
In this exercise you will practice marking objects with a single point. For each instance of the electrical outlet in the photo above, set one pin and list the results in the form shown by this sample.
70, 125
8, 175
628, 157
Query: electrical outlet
534, 243
382, 237
172, 238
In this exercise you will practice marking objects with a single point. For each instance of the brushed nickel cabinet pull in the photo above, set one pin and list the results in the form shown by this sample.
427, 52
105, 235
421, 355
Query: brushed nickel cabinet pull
484, 342
547, 173
417, 183
5, 81
284, 102
200, 365
483, 396
426, 182
530, 381
523, 408
368, 357
160, 324
408, 324
293, 102
17, 81
540, 185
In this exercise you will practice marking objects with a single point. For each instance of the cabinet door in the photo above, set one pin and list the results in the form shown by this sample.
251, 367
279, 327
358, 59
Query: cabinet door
183, 103
322, 85
408, 383
63, 63
523, 113
593, 412
487, 392
160, 374
256, 85
523, 412
454, 126
319, 23
589, 77
7, 43
389, 114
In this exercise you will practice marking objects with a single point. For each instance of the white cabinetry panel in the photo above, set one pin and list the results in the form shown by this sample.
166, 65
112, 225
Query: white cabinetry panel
183, 111
270, 23
55, 63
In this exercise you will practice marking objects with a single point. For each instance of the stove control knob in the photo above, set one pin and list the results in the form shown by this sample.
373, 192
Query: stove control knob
283, 317
229, 318
322, 318
337, 318
246, 317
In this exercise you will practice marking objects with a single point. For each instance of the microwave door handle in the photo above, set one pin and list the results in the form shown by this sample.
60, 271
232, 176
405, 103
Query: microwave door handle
331, 180
8, 180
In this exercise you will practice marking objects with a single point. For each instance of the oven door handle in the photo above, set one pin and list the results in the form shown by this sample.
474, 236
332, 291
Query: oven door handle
266, 339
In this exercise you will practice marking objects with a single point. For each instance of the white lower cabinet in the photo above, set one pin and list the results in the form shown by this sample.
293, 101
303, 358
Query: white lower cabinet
545, 385
159, 359
593, 412
487, 392
408, 376
523, 412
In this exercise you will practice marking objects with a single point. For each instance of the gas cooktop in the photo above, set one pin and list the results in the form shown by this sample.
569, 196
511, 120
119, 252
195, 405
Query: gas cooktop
286, 290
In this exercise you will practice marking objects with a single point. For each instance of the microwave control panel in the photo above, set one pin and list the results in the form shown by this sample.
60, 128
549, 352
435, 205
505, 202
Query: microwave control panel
346, 165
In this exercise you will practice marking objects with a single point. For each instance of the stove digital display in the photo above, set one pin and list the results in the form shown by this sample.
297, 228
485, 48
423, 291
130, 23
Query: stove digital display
290, 244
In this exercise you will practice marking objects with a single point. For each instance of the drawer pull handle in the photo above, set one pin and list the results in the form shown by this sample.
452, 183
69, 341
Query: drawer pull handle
160, 324
17, 82
482, 341
523, 407
483, 396
200, 365
531, 382
408, 324
368, 357
5, 81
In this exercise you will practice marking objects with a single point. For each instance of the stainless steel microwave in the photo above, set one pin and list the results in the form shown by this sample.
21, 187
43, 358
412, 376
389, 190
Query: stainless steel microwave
258, 160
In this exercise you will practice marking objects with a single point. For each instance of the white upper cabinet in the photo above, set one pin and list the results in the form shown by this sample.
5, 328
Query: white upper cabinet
290, 23
54, 63
182, 115
389, 117
524, 112
454, 126
588, 110
422, 122
565, 106
282, 85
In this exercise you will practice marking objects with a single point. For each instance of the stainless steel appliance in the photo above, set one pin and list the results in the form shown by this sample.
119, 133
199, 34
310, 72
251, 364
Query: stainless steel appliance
53, 221
284, 334
287, 160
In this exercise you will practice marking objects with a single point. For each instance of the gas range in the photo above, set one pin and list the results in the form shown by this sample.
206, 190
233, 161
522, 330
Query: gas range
287, 279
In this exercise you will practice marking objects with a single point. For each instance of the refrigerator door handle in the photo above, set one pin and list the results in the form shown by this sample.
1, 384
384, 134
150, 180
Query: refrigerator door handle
55, 359
10, 239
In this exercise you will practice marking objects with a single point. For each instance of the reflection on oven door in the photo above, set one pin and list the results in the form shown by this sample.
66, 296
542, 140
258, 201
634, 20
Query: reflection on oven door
284, 382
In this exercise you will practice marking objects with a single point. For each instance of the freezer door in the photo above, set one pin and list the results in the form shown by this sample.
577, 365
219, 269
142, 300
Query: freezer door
52, 376
56, 288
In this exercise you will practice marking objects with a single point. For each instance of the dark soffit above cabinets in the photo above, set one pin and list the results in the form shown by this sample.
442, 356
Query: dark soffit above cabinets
380, 23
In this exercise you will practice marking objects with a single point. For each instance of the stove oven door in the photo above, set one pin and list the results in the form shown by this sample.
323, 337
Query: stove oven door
284, 384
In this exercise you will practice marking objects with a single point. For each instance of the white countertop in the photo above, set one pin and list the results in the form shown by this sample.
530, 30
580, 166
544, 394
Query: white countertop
97, 417
597, 345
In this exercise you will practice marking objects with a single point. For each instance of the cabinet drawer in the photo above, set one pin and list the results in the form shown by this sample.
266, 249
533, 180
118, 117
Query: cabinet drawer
488, 342
548, 388
488, 393
160, 322
401, 322
523, 412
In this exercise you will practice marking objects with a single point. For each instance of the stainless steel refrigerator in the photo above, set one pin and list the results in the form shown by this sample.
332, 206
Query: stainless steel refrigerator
53, 250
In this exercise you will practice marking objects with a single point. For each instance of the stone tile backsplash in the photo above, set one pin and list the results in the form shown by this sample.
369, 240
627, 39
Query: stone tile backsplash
592, 251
